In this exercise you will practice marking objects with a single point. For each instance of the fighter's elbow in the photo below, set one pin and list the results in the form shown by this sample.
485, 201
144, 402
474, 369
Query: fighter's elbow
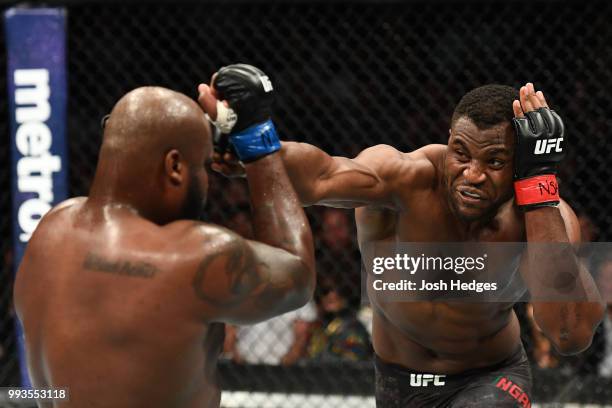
576, 341
301, 299
304, 283
577, 336
572, 345
310, 282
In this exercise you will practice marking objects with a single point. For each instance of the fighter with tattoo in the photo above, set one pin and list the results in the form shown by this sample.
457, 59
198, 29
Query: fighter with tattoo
123, 295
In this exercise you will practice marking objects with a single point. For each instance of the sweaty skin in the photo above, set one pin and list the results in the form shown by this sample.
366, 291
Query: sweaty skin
123, 296
428, 196
402, 200
432, 337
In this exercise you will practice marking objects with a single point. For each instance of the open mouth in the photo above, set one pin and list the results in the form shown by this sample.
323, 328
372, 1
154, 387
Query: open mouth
471, 196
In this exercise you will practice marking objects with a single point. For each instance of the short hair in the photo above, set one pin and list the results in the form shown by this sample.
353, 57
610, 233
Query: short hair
487, 106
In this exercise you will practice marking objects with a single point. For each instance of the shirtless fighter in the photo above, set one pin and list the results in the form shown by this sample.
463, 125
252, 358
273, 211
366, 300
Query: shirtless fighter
123, 295
479, 187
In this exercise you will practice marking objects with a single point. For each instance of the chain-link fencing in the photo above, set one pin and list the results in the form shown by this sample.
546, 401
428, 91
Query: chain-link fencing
347, 76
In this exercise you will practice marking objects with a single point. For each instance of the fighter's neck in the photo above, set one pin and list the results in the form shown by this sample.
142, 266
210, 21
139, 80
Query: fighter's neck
108, 190
473, 228
493, 222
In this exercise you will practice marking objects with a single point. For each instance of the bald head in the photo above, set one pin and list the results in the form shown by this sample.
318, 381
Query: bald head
155, 144
153, 118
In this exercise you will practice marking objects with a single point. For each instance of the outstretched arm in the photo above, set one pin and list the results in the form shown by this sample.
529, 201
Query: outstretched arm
375, 177
318, 178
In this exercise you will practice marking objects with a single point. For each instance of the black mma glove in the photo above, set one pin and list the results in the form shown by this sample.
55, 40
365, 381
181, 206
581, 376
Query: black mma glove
247, 122
539, 150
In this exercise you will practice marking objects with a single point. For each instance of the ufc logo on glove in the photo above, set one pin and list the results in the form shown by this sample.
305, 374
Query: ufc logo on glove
537, 153
546, 145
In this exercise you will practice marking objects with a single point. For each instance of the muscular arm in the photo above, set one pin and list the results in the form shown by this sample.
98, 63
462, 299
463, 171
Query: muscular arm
319, 178
568, 324
373, 178
248, 281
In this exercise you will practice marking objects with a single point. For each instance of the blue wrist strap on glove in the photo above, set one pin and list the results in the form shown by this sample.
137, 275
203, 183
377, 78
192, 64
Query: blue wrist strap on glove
256, 141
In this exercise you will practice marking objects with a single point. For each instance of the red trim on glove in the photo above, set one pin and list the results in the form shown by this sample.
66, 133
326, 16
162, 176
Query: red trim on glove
537, 190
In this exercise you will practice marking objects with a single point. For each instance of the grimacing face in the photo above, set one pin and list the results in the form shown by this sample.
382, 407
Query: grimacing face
478, 168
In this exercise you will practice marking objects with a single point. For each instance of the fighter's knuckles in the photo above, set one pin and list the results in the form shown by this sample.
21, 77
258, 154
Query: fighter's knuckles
559, 125
521, 125
536, 122
549, 121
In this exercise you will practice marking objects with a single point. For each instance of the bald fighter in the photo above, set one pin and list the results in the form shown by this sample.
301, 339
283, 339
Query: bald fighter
482, 186
123, 295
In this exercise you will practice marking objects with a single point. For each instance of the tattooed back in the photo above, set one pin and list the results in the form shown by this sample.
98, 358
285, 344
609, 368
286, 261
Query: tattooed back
109, 309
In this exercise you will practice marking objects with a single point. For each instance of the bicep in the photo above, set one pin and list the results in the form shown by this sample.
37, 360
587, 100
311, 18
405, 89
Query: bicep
367, 179
351, 184
246, 282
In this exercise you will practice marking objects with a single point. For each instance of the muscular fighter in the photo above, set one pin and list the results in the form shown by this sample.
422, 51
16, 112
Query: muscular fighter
123, 295
478, 187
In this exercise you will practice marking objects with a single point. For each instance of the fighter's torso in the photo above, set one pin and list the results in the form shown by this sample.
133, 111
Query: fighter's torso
104, 315
435, 336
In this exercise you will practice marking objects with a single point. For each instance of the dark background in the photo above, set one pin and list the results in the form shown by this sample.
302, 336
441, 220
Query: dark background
348, 76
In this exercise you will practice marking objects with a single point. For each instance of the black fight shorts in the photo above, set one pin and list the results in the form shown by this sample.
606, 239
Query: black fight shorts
506, 384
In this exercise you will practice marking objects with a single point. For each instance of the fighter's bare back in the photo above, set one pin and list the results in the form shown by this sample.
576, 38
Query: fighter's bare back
133, 280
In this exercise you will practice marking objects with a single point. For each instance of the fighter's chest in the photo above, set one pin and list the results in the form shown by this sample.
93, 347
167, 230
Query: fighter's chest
430, 221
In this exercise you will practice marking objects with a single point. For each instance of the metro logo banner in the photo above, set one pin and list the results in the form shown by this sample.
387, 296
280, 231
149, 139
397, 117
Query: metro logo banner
37, 93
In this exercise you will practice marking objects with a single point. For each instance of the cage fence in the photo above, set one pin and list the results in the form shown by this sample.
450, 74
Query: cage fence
348, 76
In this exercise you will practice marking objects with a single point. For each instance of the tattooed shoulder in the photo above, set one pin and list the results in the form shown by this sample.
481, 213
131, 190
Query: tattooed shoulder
227, 273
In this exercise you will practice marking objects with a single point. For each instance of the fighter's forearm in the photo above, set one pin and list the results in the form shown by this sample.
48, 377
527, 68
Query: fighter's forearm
568, 325
552, 265
545, 225
305, 164
551, 259
554, 272
278, 217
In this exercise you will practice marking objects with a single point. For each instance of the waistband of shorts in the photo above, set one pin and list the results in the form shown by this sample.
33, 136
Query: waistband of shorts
517, 357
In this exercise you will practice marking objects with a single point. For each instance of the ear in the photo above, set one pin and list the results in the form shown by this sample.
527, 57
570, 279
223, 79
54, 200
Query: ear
174, 167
